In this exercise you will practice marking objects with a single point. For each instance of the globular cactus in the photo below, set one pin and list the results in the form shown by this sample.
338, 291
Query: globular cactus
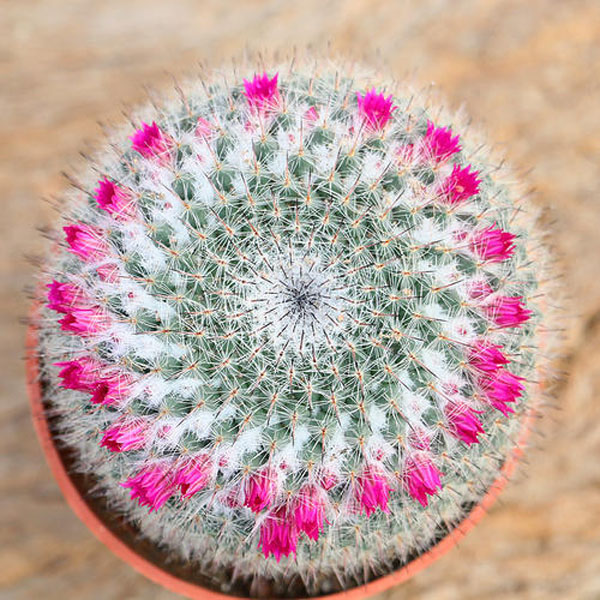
293, 328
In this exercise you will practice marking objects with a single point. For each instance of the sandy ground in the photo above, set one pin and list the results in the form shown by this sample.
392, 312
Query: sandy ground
529, 71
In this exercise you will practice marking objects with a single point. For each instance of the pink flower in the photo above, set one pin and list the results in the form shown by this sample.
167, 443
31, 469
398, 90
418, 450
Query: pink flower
463, 423
63, 296
86, 241
124, 436
421, 477
502, 389
262, 92
193, 476
486, 357
85, 321
86, 375
460, 185
311, 115
260, 490
231, 499
79, 374
328, 479
479, 290
81, 317
439, 143
278, 535
151, 142
507, 311
204, 128
111, 388
405, 153
375, 109
152, 487
372, 491
114, 199
309, 511
108, 272
493, 245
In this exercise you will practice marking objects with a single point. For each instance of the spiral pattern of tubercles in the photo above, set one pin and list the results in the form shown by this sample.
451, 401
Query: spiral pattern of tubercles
295, 313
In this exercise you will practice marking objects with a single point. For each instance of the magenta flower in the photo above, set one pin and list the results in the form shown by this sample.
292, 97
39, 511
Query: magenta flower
463, 422
439, 143
114, 199
152, 487
151, 142
460, 185
123, 436
372, 491
85, 321
311, 115
203, 127
62, 297
405, 153
111, 388
478, 290
193, 476
85, 241
278, 535
502, 389
108, 272
493, 245
262, 93
486, 357
421, 477
309, 511
260, 490
507, 311
79, 374
375, 109
328, 480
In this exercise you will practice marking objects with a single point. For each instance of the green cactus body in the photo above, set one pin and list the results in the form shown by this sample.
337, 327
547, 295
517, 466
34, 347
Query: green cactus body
296, 329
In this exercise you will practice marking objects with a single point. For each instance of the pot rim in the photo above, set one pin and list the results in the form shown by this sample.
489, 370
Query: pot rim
195, 591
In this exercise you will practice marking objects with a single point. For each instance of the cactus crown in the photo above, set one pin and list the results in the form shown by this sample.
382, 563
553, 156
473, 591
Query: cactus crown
291, 328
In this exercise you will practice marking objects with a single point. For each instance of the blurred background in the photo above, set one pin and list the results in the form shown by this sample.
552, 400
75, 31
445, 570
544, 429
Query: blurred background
529, 71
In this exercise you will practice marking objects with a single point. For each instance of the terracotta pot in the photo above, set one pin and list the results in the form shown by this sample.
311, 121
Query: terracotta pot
130, 551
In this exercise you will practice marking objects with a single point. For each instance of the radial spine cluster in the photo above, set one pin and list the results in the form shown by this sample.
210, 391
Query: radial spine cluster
292, 329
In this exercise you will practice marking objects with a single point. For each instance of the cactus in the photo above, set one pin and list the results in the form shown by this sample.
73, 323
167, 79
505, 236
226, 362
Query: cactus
293, 327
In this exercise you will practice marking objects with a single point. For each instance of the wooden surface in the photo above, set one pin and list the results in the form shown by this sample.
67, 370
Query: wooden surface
529, 70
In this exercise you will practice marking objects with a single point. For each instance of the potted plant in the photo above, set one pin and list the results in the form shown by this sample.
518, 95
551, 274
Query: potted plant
289, 341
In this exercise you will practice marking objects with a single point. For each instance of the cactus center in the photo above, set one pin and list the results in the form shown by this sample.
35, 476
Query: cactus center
297, 303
